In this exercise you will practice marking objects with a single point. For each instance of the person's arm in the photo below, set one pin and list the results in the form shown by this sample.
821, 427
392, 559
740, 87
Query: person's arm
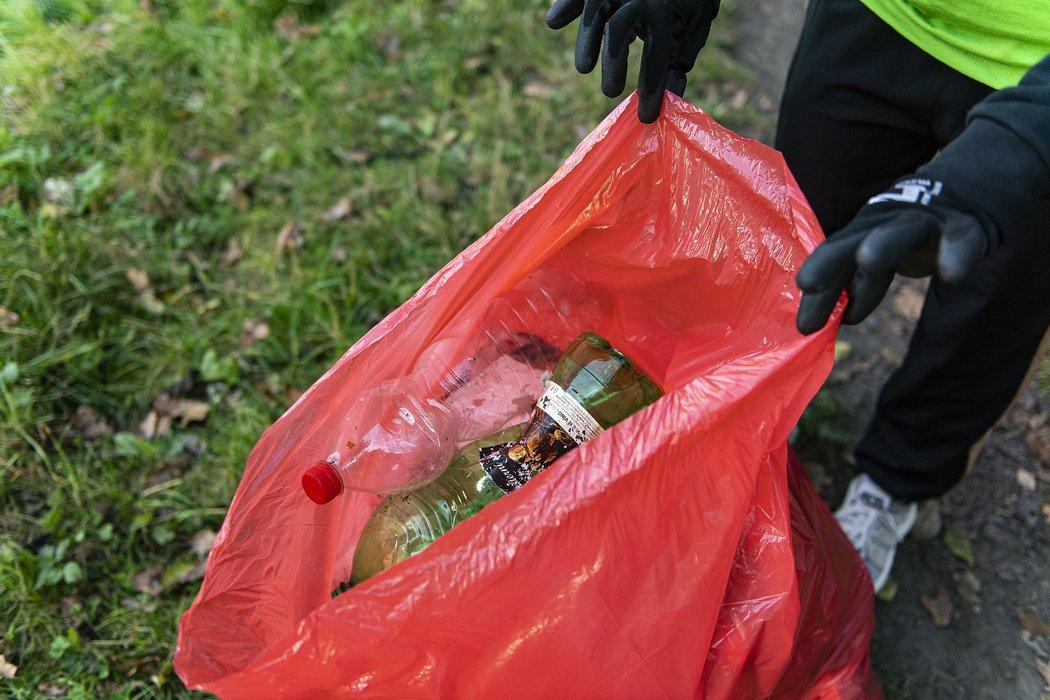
673, 32
947, 215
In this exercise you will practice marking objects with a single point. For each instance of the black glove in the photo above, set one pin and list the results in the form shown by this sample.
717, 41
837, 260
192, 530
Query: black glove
916, 228
673, 32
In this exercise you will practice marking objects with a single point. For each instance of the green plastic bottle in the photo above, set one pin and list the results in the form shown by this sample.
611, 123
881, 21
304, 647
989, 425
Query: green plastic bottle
592, 387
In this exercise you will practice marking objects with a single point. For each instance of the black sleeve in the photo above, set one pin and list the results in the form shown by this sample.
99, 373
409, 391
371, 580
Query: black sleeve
1000, 163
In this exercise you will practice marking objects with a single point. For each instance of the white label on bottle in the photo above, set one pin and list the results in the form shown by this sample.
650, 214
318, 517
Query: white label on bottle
569, 414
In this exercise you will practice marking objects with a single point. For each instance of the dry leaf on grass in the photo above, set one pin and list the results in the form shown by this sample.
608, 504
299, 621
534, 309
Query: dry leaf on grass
7, 669
290, 236
939, 606
537, 90
185, 410
218, 162
1046, 512
202, 542
139, 280
169, 469
89, 424
154, 425
232, 254
59, 191
288, 27
254, 330
8, 318
148, 580
338, 211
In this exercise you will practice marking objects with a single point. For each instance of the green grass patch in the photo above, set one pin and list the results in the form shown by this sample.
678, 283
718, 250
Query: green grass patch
203, 203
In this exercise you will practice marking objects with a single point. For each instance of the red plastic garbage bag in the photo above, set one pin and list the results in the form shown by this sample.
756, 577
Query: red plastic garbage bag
679, 554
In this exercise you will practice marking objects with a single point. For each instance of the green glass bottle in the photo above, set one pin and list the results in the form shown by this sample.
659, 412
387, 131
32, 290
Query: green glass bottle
592, 387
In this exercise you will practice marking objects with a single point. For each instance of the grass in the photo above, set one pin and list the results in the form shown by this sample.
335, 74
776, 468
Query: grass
202, 205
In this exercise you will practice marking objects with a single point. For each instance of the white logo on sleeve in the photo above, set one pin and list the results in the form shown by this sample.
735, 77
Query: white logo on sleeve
914, 191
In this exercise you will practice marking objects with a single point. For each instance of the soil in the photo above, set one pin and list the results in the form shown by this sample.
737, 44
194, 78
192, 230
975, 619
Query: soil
959, 624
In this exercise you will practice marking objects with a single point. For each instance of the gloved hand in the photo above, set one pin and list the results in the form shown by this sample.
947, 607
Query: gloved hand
915, 228
673, 32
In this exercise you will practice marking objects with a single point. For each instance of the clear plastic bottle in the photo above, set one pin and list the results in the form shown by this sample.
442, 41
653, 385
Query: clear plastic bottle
593, 386
478, 378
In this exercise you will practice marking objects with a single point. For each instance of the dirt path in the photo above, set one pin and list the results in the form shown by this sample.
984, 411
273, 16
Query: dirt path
991, 597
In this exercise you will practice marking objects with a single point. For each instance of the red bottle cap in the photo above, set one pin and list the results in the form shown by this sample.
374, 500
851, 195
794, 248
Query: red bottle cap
322, 483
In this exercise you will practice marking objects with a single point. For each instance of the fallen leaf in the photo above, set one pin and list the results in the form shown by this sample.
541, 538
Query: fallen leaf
89, 424
939, 607
290, 236
139, 279
1038, 441
339, 210
202, 542
288, 27
537, 90
185, 410
739, 100
889, 591
8, 318
908, 301
182, 572
1026, 479
959, 546
148, 580
474, 63
254, 330
842, 350
58, 191
339, 254
155, 425
240, 195
232, 254
1033, 623
167, 470
51, 690
968, 586
351, 157
1046, 512
149, 301
219, 162
7, 669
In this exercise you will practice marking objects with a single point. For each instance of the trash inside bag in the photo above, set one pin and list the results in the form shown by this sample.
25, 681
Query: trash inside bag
680, 553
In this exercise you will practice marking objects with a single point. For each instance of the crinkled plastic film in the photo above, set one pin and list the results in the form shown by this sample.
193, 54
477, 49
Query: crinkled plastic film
682, 553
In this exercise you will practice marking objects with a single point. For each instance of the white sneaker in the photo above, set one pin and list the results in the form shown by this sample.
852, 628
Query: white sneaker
875, 523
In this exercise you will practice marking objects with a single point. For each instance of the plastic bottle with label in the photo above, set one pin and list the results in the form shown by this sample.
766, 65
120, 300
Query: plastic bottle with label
403, 432
592, 387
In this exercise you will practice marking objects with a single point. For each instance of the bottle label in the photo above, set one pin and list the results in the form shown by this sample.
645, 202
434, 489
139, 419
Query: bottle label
559, 424
569, 414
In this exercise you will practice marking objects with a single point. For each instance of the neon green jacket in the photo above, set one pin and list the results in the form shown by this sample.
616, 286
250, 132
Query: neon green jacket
992, 41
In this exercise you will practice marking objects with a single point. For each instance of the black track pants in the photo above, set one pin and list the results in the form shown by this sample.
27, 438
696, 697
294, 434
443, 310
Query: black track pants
863, 106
